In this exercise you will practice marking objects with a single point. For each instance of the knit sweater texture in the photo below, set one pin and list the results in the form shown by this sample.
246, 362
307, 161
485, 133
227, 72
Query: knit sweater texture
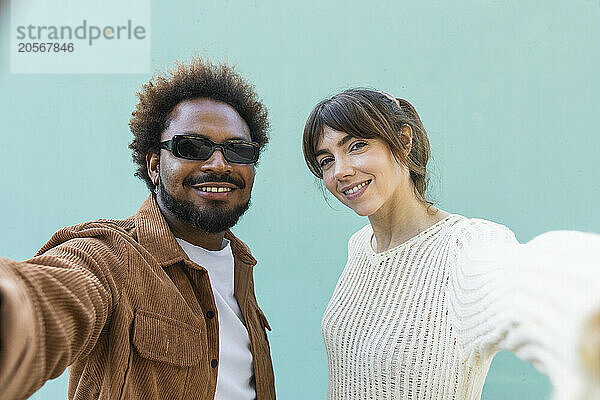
423, 320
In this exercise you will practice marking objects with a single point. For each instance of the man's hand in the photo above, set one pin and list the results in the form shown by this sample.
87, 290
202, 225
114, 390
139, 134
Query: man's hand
16, 331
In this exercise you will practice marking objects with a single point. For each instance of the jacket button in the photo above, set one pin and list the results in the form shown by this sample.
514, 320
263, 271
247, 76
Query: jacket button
213, 363
210, 314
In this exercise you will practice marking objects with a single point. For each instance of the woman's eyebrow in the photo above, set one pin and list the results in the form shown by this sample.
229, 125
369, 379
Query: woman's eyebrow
344, 140
322, 151
340, 143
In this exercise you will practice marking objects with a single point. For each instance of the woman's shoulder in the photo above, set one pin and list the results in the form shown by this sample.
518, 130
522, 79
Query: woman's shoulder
360, 237
468, 230
454, 228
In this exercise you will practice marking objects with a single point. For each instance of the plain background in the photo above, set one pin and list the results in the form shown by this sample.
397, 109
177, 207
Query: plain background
508, 91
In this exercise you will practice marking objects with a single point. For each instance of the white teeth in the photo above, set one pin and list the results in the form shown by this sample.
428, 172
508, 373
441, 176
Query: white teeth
356, 188
215, 189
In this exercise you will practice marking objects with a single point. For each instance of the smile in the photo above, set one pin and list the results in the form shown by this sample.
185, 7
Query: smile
354, 191
214, 189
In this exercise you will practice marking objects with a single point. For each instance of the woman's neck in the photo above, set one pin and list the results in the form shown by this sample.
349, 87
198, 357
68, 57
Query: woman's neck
396, 223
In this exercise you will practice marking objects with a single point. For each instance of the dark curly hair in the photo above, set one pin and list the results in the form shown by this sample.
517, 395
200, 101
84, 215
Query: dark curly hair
199, 79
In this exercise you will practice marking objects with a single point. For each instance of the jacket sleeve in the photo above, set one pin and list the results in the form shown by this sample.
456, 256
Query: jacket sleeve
54, 307
536, 300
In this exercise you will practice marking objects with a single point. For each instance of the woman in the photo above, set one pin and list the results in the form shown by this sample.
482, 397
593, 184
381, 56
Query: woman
427, 298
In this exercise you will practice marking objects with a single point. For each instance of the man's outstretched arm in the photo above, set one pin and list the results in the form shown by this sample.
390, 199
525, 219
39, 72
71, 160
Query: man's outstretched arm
53, 309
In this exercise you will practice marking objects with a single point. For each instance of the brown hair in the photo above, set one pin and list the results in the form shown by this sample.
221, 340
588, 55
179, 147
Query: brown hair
199, 79
369, 114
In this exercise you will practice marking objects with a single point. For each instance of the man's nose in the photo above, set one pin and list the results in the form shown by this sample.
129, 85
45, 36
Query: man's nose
216, 163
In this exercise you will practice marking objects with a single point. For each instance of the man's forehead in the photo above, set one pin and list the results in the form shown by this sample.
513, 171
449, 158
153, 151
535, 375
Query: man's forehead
206, 116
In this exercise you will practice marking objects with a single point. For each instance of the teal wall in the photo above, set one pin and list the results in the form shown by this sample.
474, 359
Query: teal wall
508, 91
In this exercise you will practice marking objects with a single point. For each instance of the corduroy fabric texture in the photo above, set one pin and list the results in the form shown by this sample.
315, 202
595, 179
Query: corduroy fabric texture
120, 302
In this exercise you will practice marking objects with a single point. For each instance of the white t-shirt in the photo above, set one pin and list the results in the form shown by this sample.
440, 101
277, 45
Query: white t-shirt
235, 379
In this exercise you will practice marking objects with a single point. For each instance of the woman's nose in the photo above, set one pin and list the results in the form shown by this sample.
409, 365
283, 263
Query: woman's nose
342, 169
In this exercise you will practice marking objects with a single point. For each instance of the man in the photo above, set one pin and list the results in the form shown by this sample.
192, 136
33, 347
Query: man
160, 305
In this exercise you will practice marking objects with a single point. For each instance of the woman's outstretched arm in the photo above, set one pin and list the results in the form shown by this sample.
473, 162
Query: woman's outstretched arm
540, 300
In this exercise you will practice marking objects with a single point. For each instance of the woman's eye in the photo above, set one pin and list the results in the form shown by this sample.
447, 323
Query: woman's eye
357, 146
325, 161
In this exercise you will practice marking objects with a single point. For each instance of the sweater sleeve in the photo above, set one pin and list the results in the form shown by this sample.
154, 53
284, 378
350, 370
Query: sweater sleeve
537, 300
53, 308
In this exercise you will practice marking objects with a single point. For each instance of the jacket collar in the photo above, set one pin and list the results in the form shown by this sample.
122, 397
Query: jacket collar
155, 236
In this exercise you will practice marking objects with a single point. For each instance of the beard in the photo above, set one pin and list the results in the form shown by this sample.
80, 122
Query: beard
214, 218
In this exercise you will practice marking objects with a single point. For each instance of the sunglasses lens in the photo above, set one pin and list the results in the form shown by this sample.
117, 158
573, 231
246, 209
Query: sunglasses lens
241, 153
194, 149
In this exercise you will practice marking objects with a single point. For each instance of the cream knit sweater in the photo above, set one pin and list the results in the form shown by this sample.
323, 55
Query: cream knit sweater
423, 320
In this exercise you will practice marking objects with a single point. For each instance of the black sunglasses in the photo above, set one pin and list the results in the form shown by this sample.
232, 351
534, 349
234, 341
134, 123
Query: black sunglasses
192, 147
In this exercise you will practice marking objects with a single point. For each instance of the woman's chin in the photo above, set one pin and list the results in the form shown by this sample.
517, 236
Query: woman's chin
362, 211
364, 208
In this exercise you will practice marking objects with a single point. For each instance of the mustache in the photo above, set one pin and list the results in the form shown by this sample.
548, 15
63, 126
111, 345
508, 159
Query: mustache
196, 180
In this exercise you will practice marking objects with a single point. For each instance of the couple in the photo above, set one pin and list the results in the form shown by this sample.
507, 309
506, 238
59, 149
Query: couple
161, 305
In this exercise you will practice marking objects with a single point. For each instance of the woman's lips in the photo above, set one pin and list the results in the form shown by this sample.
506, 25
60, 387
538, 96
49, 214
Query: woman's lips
356, 193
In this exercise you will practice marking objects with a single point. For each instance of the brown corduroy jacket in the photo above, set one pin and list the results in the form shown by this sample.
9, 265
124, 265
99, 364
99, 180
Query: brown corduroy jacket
121, 303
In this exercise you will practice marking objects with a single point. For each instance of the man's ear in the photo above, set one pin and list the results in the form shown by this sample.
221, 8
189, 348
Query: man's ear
152, 160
